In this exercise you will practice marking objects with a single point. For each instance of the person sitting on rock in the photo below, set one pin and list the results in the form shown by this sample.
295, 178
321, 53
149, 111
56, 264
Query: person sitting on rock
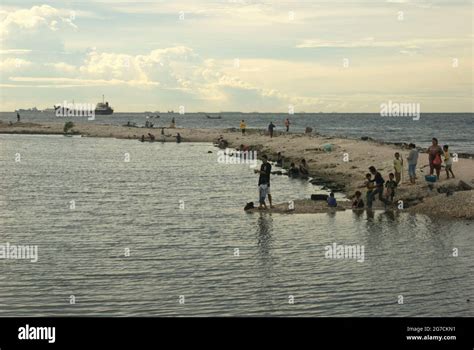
304, 168
293, 171
332, 201
358, 203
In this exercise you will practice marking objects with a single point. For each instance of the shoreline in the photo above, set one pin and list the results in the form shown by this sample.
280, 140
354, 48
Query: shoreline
342, 170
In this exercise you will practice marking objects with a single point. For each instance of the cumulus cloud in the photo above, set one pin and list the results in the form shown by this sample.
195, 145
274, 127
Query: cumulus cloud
36, 17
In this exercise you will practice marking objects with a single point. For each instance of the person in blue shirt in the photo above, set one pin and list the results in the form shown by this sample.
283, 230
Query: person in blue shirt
331, 200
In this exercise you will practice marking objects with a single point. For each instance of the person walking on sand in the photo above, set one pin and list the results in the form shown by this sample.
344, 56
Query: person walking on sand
243, 126
271, 126
412, 159
434, 157
287, 124
17, 117
448, 161
398, 167
178, 138
173, 124
264, 183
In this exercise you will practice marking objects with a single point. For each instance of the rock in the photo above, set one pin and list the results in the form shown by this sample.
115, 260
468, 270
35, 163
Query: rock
308, 130
209, 151
463, 186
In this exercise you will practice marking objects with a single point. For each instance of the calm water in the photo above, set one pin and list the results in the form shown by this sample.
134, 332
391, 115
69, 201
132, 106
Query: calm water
454, 129
190, 251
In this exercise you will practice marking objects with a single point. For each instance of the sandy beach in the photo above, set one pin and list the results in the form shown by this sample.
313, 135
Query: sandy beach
342, 169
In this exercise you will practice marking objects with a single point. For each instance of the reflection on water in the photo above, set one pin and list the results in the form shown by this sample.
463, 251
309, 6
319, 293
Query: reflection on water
179, 213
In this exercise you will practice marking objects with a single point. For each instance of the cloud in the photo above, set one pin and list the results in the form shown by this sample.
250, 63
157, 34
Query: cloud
370, 42
32, 19
14, 64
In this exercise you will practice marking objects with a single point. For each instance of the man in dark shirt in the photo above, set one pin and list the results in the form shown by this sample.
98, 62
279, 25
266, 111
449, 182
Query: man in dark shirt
379, 181
271, 126
264, 179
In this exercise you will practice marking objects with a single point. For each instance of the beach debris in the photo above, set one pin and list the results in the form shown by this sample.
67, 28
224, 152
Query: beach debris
319, 197
328, 147
249, 206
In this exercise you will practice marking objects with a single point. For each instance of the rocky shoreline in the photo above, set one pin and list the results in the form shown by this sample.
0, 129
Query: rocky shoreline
342, 169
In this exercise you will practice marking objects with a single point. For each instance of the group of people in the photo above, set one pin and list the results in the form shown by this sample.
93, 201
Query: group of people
385, 190
152, 138
301, 171
271, 127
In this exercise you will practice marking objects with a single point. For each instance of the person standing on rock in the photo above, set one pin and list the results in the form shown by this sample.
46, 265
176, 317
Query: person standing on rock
379, 181
434, 156
412, 161
264, 182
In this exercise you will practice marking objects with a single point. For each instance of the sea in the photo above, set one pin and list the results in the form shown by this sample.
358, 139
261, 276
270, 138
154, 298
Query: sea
124, 228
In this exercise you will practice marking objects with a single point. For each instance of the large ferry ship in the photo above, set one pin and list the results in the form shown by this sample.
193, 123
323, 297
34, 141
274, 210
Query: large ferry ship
103, 108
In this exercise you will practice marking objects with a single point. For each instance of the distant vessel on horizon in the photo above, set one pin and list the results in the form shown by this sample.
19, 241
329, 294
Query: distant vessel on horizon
103, 108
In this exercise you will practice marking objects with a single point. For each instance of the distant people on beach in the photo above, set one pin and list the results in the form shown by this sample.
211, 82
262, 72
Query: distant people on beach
279, 161
178, 138
287, 124
358, 203
304, 168
448, 161
378, 181
390, 186
173, 123
412, 159
17, 117
264, 183
271, 126
434, 156
243, 126
142, 138
152, 137
331, 200
293, 171
398, 167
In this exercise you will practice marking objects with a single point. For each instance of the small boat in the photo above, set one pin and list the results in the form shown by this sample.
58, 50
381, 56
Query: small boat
209, 117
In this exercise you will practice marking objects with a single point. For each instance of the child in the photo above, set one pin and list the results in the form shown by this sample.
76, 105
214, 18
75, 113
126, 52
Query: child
448, 161
331, 200
412, 160
358, 202
370, 186
390, 186
398, 167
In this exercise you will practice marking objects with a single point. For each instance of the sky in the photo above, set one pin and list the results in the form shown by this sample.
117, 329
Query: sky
249, 56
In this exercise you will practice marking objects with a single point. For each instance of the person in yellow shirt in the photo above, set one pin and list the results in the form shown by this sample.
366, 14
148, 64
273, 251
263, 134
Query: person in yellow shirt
243, 126
398, 167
